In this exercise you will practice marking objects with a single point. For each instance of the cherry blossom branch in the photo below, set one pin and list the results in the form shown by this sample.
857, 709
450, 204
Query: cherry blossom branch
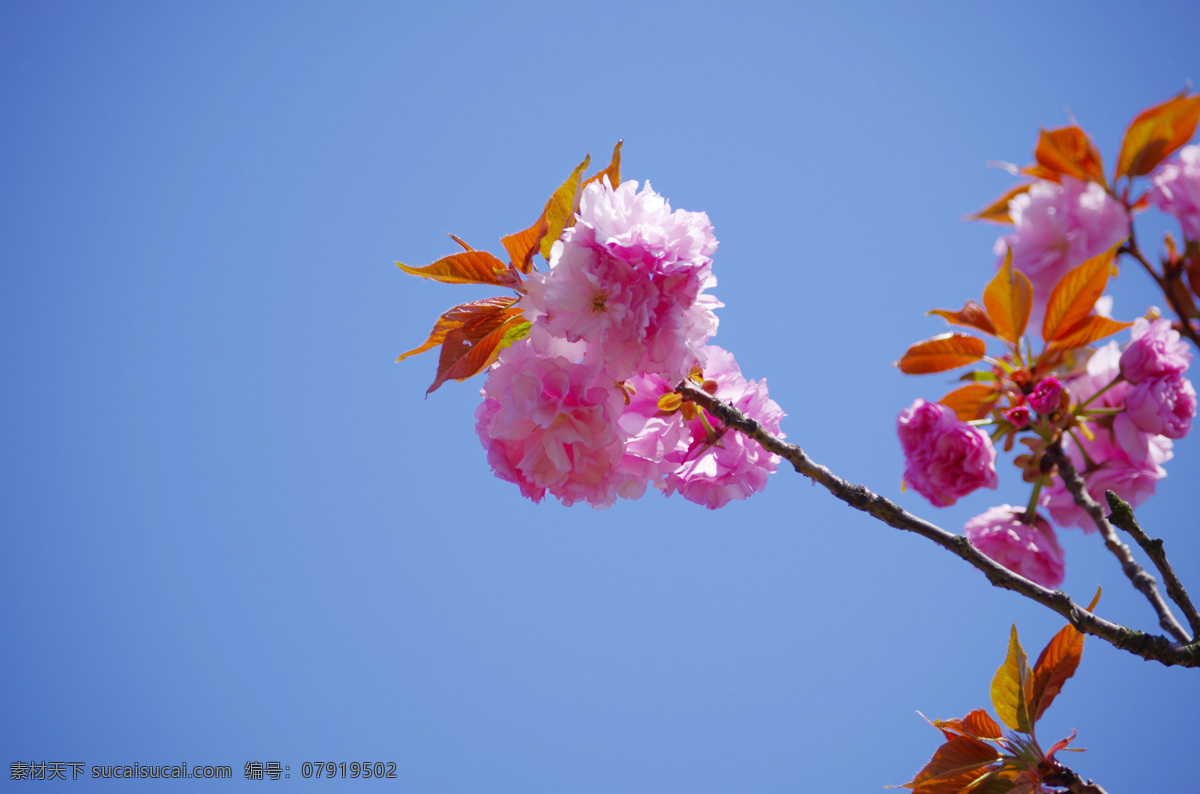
1142, 581
1063, 777
1122, 517
1147, 646
1185, 322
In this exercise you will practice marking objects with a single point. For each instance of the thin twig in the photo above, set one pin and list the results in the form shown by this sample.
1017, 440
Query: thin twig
1122, 517
1147, 646
1185, 322
1143, 581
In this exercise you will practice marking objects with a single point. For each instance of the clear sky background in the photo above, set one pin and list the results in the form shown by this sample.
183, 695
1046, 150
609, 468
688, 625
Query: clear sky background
234, 530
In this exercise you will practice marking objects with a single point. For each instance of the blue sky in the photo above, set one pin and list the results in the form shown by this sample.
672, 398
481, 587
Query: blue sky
235, 530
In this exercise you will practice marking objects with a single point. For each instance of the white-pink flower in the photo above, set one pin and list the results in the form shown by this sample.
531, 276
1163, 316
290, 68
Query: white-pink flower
629, 278
1177, 190
718, 464
1029, 550
1056, 227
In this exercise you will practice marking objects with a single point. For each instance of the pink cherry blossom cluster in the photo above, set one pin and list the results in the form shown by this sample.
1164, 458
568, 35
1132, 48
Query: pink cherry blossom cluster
621, 316
1155, 405
1141, 399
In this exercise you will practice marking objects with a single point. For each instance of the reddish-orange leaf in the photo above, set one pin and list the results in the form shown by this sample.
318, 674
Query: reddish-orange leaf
1056, 663
1088, 330
613, 172
560, 209
1067, 151
1156, 133
460, 241
971, 315
997, 211
468, 267
458, 317
942, 352
977, 724
1009, 687
521, 246
961, 760
1008, 299
1074, 296
469, 350
972, 401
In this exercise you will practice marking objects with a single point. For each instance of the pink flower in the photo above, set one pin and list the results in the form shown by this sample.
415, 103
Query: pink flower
1057, 228
629, 278
720, 465
1163, 406
1018, 415
945, 458
655, 439
1044, 397
1177, 190
551, 424
1155, 350
1031, 551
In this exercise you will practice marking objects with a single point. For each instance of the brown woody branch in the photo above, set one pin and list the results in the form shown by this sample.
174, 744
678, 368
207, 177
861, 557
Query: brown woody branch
1147, 646
1185, 320
1122, 517
1143, 582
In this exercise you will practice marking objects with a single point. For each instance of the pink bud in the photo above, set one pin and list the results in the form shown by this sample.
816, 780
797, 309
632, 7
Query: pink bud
1019, 416
1044, 397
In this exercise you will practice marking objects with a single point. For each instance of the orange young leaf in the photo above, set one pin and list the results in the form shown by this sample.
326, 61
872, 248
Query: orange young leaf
1088, 330
971, 315
1156, 133
972, 401
458, 317
471, 349
468, 267
1009, 686
1074, 296
1008, 300
997, 211
613, 172
1056, 663
560, 209
460, 241
978, 724
942, 352
1067, 151
960, 761
522, 245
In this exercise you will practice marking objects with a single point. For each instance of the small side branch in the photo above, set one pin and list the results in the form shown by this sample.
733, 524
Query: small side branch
1185, 322
1122, 517
1071, 781
1147, 646
1146, 584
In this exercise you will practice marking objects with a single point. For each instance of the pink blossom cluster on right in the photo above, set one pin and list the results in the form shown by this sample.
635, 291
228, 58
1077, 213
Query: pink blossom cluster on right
621, 317
1177, 190
1155, 405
